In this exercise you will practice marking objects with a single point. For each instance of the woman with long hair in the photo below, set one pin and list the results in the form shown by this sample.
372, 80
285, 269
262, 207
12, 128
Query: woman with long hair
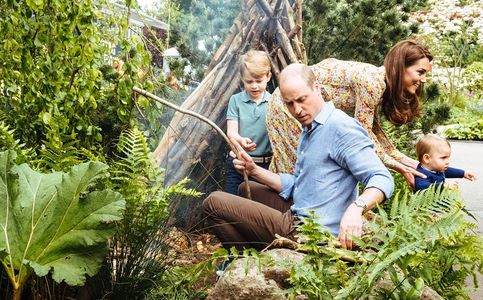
365, 92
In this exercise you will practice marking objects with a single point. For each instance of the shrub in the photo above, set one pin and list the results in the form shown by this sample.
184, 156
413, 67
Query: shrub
469, 131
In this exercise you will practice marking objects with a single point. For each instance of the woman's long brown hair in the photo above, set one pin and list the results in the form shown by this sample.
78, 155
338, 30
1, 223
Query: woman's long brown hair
397, 105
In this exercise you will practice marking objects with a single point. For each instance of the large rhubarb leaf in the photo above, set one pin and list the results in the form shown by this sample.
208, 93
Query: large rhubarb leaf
54, 222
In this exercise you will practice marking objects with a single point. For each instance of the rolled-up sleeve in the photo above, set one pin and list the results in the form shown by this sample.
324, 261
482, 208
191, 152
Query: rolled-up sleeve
355, 152
382, 181
288, 183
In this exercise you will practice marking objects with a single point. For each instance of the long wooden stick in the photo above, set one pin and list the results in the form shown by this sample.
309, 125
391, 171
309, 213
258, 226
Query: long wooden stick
234, 145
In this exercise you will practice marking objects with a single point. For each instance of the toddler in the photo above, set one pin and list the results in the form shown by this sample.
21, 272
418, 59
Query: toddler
433, 155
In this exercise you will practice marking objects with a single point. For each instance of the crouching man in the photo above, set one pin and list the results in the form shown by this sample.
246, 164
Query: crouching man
334, 154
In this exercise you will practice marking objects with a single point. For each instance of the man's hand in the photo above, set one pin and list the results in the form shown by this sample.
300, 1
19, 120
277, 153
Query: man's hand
243, 161
350, 225
470, 176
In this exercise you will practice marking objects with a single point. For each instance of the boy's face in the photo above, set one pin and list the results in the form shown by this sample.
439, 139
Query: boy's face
255, 86
438, 158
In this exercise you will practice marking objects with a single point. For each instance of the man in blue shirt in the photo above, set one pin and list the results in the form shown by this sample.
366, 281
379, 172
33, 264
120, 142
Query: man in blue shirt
334, 154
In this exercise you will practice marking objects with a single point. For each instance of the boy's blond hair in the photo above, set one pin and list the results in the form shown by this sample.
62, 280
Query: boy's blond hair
256, 63
428, 142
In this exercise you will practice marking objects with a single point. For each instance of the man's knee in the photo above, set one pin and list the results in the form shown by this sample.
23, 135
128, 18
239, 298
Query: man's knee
242, 188
211, 202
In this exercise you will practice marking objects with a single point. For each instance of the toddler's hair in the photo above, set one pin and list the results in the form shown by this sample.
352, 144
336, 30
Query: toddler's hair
256, 63
428, 142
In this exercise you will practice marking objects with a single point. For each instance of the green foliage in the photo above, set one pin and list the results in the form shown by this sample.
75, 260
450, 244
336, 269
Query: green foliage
436, 111
201, 21
468, 131
349, 29
320, 273
9, 142
54, 222
419, 240
139, 254
178, 284
473, 78
476, 55
456, 42
58, 90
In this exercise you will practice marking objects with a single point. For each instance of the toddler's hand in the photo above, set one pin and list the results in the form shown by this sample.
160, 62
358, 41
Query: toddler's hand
470, 176
247, 144
451, 185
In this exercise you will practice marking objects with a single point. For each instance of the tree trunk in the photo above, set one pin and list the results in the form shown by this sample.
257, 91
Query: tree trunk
190, 148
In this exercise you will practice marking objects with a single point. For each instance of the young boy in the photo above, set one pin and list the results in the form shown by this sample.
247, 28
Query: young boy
246, 115
433, 155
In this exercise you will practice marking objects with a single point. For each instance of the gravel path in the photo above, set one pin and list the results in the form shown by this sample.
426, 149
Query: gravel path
469, 156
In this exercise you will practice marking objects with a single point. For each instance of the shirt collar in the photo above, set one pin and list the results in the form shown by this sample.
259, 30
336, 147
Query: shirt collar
323, 115
265, 98
434, 172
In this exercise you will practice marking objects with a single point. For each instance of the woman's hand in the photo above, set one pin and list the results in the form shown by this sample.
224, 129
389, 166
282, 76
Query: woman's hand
409, 162
408, 173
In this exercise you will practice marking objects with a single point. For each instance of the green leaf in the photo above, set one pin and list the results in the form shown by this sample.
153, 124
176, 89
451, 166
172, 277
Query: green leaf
34, 4
53, 222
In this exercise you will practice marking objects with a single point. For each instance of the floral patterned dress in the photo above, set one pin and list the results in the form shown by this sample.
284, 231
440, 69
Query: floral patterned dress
355, 88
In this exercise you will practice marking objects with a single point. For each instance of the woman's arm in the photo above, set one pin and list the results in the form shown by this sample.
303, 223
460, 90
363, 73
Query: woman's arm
392, 158
368, 84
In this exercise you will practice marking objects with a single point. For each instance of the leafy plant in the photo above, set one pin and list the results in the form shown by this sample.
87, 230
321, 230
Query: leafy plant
58, 89
320, 272
54, 222
140, 247
473, 78
184, 282
469, 131
420, 240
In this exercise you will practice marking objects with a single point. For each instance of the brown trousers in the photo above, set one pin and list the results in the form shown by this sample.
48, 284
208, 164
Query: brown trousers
242, 223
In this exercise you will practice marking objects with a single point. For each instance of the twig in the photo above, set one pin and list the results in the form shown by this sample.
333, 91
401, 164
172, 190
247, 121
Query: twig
282, 242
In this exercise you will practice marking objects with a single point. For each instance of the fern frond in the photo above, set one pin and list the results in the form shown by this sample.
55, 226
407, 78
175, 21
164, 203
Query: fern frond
9, 142
378, 269
132, 168
58, 157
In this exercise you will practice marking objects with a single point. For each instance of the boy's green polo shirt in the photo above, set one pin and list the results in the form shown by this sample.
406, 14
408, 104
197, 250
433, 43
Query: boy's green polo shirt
251, 120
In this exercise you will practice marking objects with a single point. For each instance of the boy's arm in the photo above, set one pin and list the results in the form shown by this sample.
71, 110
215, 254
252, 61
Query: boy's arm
454, 173
232, 132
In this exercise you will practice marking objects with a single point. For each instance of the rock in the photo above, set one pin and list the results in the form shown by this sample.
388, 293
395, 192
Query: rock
240, 282
265, 283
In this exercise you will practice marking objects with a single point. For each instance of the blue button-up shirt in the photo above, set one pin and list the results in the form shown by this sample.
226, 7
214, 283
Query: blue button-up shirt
332, 157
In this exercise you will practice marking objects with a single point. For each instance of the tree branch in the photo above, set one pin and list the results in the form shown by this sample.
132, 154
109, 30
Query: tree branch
234, 145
